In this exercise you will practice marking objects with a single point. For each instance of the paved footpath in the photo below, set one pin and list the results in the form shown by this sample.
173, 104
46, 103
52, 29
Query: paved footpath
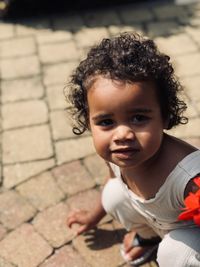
45, 170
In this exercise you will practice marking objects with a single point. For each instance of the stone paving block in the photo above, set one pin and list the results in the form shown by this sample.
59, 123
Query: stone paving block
73, 149
25, 113
191, 88
14, 209
90, 36
32, 26
2, 233
97, 18
56, 97
18, 173
51, 224
73, 178
52, 76
193, 32
169, 11
17, 47
97, 168
54, 37
162, 28
41, 191
129, 15
35, 141
24, 247
193, 141
67, 22
192, 21
96, 247
22, 89
190, 130
179, 44
116, 30
3, 263
6, 30
19, 67
61, 126
187, 65
65, 256
58, 52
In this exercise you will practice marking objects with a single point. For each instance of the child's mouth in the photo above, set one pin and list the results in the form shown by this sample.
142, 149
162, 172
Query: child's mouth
125, 153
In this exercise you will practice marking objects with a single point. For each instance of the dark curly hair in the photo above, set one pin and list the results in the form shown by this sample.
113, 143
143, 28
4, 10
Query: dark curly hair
128, 57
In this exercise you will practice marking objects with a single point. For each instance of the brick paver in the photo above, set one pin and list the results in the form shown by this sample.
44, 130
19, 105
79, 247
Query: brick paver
45, 170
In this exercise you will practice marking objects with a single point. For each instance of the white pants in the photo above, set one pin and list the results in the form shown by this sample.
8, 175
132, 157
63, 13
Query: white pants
178, 248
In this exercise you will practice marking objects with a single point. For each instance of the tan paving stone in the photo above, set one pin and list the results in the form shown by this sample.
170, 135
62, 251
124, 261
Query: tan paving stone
41, 191
193, 141
58, 52
60, 124
35, 141
51, 224
192, 88
18, 173
3, 263
21, 89
67, 22
161, 28
129, 15
17, 47
55, 96
24, 247
2, 233
19, 67
32, 26
14, 209
179, 44
169, 11
54, 37
24, 113
98, 247
73, 149
97, 167
187, 65
65, 256
6, 30
194, 32
116, 30
98, 18
89, 36
73, 178
52, 76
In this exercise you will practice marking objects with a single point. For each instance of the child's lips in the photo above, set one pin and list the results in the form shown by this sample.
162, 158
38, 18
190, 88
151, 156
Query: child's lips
125, 153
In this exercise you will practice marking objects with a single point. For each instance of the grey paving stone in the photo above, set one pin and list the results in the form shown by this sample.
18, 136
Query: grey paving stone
52, 76
41, 191
55, 96
35, 141
24, 247
98, 246
169, 11
65, 256
6, 30
179, 44
17, 47
55, 231
58, 52
67, 22
191, 68
14, 209
129, 15
73, 149
162, 28
97, 167
20, 172
21, 89
90, 36
24, 113
73, 178
60, 124
19, 67
53, 37
32, 26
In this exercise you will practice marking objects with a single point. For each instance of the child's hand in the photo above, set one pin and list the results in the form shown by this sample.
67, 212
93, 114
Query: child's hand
82, 217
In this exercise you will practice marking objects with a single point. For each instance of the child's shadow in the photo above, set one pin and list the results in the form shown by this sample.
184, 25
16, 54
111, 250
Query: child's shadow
97, 239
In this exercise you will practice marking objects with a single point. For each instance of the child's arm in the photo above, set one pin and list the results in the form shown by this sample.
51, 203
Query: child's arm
88, 219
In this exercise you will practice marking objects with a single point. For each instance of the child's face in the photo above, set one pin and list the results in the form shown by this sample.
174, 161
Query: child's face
125, 121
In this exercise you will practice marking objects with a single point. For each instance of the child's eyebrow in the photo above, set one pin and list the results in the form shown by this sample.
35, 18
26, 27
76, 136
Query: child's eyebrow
102, 116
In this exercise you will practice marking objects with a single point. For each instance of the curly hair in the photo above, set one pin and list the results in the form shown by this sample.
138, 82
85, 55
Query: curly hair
128, 57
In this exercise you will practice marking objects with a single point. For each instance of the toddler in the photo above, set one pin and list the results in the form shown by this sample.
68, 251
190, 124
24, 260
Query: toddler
126, 94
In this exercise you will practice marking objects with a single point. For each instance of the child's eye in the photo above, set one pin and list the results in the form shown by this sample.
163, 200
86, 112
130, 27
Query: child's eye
139, 119
105, 123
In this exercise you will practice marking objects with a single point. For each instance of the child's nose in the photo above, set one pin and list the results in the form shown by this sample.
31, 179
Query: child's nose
123, 133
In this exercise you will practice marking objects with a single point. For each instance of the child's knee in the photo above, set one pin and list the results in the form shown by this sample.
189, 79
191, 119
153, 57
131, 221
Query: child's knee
180, 248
